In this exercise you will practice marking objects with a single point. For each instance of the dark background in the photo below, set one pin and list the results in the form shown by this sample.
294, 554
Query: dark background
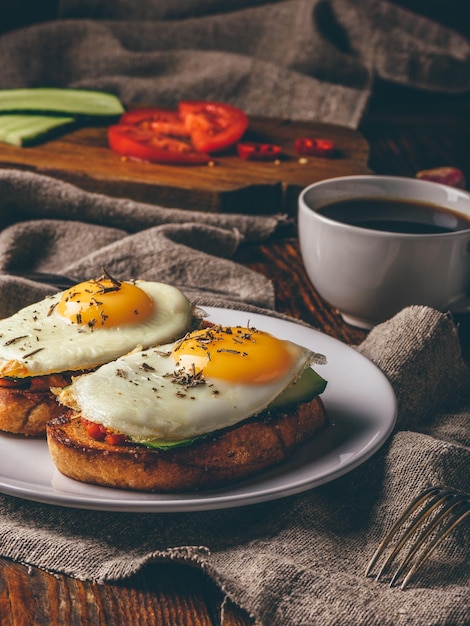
454, 13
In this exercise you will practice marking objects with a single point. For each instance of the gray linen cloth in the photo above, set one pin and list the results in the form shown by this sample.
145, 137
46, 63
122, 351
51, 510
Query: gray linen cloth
299, 59
60, 229
298, 560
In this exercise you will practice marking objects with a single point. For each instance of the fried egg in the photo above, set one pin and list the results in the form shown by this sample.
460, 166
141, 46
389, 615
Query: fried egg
90, 324
211, 379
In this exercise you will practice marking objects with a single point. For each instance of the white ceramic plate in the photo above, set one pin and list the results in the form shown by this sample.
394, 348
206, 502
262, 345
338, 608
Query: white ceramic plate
359, 400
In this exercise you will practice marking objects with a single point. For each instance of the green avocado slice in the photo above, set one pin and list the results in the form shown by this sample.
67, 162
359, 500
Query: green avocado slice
60, 101
308, 386
162, 444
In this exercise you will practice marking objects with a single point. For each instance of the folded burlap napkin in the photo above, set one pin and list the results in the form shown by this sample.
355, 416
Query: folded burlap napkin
298, 560
55, 227
299, 59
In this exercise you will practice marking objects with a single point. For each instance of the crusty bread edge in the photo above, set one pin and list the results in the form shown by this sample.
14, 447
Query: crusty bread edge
219, 459
24, 412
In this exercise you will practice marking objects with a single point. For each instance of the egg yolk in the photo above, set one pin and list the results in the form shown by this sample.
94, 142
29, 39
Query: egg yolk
105, 303
236, 354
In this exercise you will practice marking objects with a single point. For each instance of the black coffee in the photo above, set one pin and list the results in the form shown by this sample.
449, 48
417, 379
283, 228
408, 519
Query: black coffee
395, 215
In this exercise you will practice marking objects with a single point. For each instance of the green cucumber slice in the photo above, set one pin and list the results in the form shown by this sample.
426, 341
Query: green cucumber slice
21, 130
80, 102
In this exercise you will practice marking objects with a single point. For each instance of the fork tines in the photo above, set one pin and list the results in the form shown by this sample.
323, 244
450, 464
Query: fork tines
428, 519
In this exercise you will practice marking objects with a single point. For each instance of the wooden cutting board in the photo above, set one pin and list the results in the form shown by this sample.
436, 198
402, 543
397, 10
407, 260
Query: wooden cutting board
82, 157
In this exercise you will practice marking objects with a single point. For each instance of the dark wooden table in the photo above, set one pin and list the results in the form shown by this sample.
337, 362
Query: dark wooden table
406, 132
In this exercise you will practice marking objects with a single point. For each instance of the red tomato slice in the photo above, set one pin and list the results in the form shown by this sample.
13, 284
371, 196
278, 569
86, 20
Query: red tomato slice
98, 432
252, 151
147, 145
94, 430
44, 383
163, 121
14, 383
213, 126
307, 146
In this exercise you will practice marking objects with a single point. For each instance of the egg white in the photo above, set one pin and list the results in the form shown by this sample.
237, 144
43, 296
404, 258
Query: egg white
44, 342
139, 396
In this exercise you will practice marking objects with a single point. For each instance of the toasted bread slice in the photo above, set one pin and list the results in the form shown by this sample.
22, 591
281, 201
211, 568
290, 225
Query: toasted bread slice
215, 460
26, 412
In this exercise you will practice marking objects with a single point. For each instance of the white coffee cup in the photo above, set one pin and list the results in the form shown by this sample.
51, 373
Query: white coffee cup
368, 274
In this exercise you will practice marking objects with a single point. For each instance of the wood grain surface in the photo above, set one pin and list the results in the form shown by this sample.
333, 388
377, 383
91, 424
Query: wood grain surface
229, 184
406, 132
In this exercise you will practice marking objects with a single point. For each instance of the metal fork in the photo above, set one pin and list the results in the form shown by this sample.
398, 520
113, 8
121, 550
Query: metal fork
423, 525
